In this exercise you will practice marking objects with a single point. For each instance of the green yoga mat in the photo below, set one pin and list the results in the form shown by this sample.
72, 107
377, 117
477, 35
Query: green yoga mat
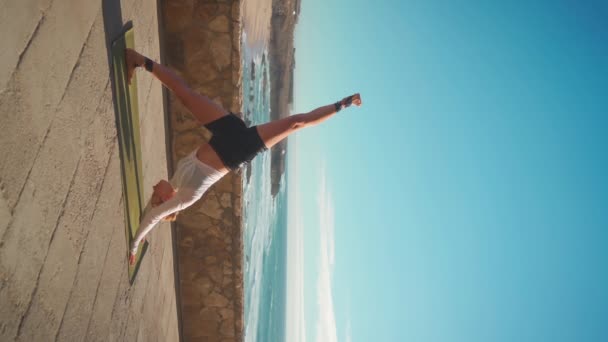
127, 124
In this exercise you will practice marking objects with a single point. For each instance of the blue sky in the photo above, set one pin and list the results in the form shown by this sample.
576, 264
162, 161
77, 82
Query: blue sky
467, 199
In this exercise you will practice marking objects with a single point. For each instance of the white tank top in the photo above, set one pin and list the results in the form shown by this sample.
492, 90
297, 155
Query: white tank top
192, 179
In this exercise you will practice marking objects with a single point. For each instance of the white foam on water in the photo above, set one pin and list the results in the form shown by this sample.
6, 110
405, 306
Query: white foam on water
259, 207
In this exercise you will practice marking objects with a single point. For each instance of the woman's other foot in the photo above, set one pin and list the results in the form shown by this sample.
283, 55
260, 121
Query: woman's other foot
133, 60
346, 102
357, 100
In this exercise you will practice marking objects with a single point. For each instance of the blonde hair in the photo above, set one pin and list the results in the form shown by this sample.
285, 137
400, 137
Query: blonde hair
157, 200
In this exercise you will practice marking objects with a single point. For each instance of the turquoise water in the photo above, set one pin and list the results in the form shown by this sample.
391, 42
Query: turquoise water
265, 217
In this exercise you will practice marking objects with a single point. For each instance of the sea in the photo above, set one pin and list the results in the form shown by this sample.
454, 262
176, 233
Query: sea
265, 215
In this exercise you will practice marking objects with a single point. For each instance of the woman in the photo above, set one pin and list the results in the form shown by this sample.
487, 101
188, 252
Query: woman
231, 145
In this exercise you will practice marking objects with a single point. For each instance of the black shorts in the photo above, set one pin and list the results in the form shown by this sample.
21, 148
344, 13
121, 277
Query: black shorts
234, 142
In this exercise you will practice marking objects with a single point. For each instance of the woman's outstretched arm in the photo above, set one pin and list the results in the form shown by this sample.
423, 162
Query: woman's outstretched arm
180, 201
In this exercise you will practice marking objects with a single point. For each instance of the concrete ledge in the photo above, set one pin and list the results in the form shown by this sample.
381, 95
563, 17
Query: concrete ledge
62, 245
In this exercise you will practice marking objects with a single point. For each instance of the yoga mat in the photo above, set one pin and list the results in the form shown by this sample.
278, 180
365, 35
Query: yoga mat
127, 124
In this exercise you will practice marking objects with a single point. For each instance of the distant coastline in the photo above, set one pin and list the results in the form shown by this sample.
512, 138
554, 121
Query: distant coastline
281, 55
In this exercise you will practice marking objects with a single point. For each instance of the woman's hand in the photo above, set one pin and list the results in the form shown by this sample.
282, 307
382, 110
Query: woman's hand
131, 259
133, 252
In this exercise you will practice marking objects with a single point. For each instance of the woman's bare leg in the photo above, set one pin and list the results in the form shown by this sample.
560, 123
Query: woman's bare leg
275, 131
201, 106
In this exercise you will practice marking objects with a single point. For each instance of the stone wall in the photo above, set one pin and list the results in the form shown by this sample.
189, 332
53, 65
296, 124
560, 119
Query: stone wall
202, 44
63, 267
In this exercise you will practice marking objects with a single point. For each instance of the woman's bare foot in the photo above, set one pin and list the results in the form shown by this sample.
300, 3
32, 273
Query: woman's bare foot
354, 99
133, 60
357, 100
